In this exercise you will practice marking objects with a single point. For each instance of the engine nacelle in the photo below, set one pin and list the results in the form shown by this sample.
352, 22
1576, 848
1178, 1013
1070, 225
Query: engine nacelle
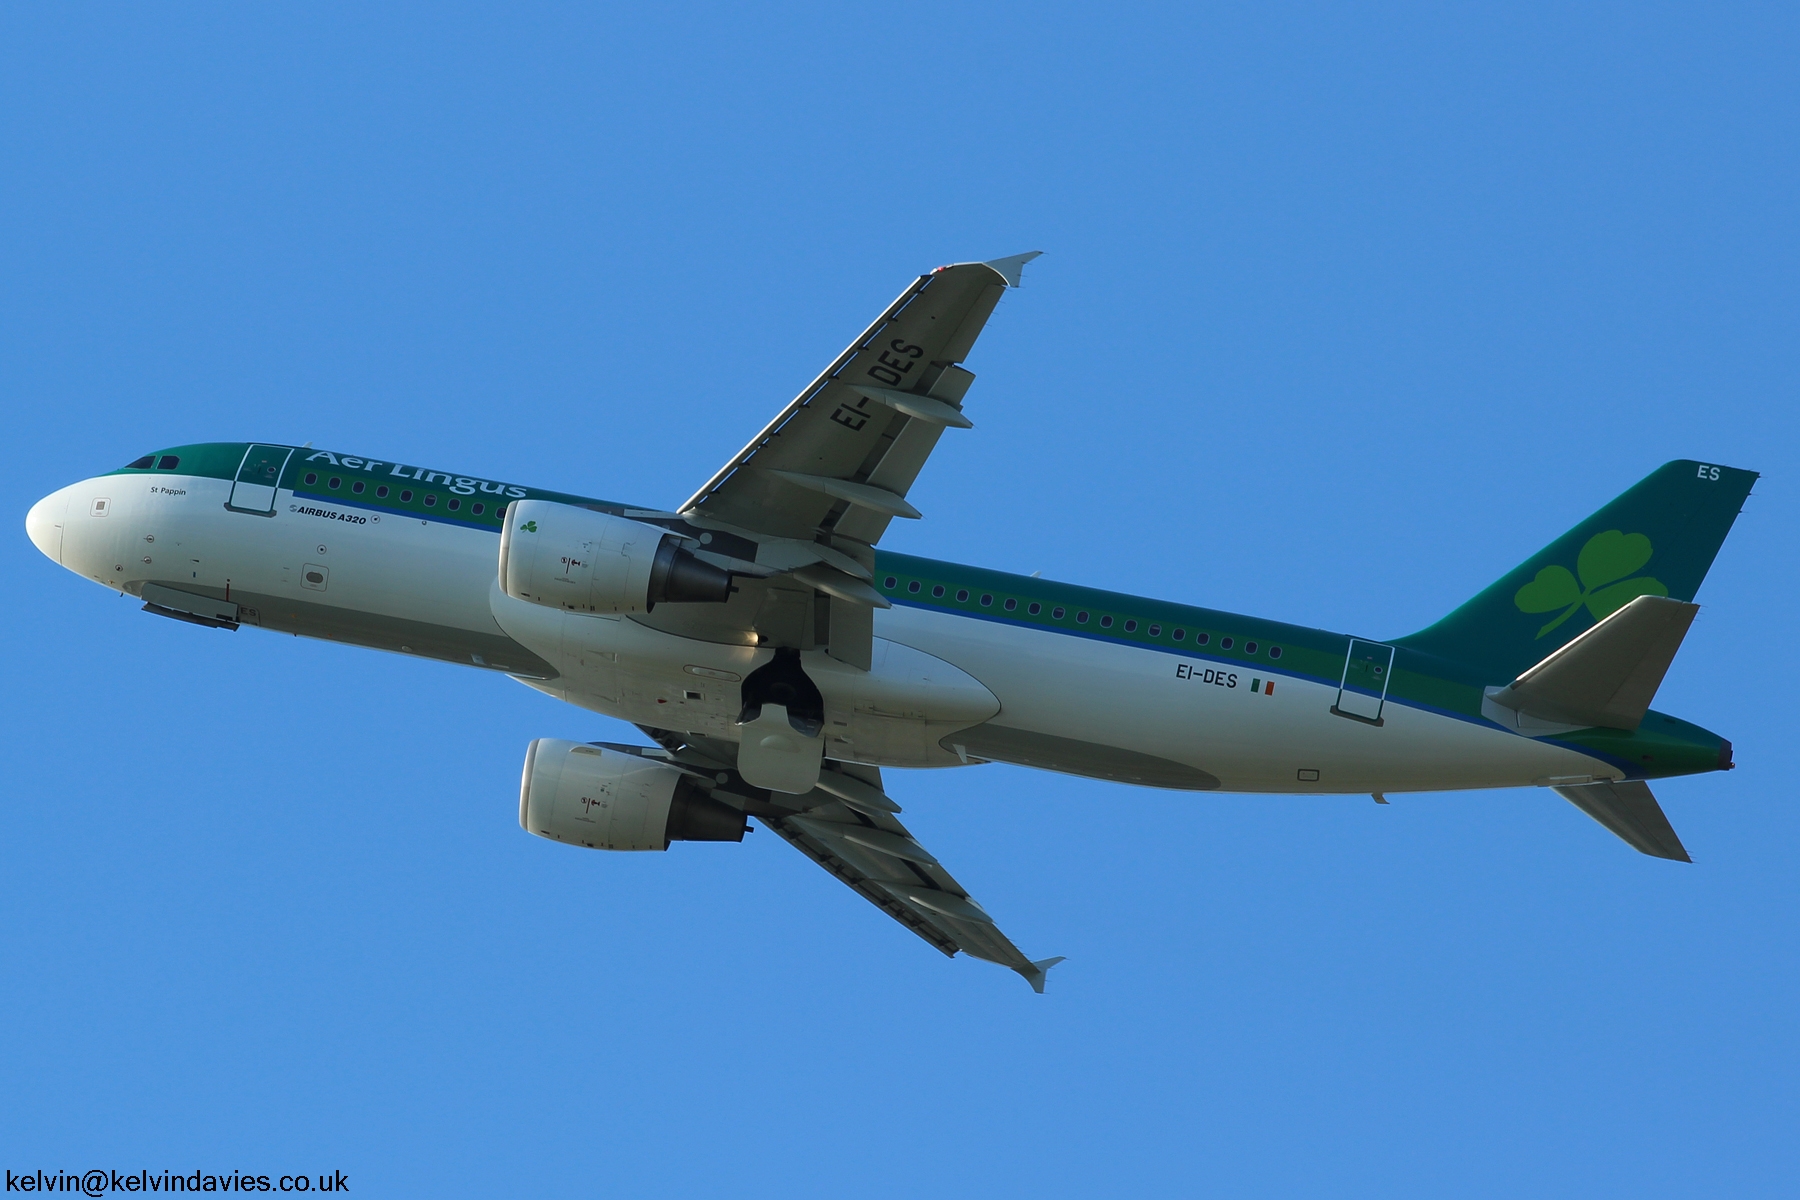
607, 800
562, 556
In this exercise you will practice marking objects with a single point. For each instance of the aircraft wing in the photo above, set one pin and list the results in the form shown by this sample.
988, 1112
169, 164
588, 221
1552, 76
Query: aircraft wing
848, 825
835, 465
795, 515
855, 838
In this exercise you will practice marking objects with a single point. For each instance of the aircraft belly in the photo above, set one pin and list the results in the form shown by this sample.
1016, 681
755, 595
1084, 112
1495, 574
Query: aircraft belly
1136, 700
895, 714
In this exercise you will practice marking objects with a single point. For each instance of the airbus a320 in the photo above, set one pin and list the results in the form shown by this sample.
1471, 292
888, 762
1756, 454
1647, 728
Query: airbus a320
778, 662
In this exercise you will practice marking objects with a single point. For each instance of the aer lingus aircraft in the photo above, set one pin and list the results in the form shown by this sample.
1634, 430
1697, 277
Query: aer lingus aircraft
778, 661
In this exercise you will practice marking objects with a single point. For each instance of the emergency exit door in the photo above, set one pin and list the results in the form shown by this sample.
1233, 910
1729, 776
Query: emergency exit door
253, 491
1363, 689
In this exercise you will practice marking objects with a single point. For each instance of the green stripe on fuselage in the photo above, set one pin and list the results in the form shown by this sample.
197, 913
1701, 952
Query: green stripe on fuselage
1662, 746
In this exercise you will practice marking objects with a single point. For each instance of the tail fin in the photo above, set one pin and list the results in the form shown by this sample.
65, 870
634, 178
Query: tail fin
1658, 539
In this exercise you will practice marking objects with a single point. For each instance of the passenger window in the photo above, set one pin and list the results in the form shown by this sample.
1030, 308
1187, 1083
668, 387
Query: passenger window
1057, 612
312, 477
1155, 631
913, 586
381, 492
168, 462
1200, 639
1131, 627
1035, 608
889, 583
477, 508
1179, 634
986, 599
1225, 643
1081, 618
962, 595
1106, 622
455, 504
358, 487
937, 592
430, 499
406, 497
335, 482
1274, 651
1249, 647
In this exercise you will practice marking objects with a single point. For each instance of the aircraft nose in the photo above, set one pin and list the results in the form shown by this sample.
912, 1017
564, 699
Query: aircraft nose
44, 524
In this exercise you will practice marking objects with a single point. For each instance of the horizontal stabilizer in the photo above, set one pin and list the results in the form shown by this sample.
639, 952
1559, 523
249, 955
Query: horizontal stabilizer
1608, 676
1631, 811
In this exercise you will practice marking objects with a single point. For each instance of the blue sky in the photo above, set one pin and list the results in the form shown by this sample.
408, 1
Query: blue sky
1342, 313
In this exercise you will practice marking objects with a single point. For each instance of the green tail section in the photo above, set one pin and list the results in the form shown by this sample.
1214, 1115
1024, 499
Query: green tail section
1658, 539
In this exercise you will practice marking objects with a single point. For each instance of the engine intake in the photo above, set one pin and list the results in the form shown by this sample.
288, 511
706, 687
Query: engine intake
608, 800
563, 556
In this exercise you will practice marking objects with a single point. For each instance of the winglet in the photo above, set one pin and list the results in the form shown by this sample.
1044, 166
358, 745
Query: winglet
1010, 269
1034, 974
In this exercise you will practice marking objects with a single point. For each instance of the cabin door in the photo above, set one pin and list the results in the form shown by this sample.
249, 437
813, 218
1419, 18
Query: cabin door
254, 489
1363, 689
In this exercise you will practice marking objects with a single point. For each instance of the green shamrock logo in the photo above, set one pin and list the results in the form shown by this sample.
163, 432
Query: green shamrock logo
1603, 565
531, 527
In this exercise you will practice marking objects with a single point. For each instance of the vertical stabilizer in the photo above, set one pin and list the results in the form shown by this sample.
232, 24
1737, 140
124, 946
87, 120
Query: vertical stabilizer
1657, 539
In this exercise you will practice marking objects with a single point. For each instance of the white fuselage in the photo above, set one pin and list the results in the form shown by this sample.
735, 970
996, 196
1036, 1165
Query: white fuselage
428, 587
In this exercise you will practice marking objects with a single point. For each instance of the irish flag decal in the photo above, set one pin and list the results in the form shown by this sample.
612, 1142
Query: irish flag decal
1265, 688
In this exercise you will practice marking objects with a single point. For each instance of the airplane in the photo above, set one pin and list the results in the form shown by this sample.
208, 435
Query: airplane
778, 662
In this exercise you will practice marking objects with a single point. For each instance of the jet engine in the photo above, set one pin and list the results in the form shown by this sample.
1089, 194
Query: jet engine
562, 556
609, 800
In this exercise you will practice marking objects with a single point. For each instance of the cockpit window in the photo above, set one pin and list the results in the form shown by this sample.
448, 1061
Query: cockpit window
168, 462
149, 460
